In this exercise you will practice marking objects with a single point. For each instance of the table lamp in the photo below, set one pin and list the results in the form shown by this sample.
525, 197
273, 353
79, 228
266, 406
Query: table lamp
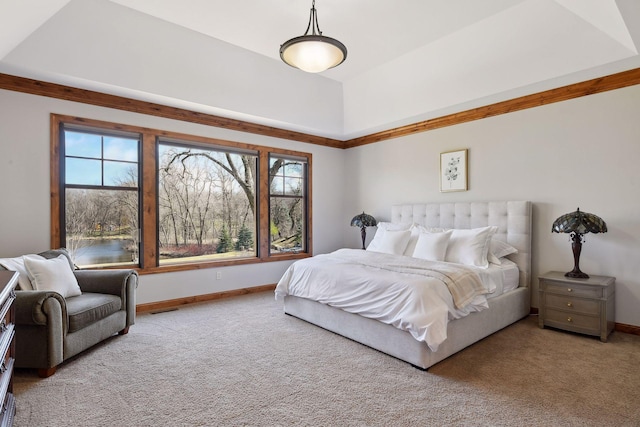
363, 221
578, 223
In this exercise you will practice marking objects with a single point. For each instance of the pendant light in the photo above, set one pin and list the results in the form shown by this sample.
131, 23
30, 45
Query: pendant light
313, 52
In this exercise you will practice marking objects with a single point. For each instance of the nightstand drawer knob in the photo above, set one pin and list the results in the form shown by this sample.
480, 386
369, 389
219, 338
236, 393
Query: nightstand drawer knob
569, 304
569, 290
569, 319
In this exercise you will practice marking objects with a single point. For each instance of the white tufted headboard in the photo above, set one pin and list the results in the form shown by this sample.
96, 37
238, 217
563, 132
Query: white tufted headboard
512, 218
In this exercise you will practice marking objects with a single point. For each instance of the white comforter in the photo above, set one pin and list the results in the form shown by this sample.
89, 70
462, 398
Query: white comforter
411, 294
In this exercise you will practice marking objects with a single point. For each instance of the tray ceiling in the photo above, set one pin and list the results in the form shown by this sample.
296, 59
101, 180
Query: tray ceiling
408, 60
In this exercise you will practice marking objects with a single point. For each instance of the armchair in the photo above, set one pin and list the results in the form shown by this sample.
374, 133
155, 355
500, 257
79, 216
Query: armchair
50, 328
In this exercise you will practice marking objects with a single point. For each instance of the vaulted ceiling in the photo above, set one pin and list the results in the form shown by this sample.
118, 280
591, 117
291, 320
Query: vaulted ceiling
408, 60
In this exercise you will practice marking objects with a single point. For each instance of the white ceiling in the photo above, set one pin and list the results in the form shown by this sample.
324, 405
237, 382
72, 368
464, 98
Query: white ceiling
374, 31
408, 60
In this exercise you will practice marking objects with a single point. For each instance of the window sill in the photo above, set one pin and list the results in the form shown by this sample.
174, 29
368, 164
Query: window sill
217, 264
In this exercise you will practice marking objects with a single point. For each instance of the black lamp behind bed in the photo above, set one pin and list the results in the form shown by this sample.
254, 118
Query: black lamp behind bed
578, 223
363, 221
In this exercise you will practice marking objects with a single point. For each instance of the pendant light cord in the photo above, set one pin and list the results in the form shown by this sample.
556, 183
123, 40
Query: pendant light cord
313, 21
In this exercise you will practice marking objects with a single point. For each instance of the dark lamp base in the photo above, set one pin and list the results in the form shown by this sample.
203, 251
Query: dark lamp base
577, 274
576, 246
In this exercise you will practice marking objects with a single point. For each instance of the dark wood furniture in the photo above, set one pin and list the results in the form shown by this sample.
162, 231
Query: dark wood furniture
586, 306
8, 282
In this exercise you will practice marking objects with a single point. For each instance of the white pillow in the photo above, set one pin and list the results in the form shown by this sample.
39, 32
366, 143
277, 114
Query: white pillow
470, 247
53, 275
416, 229
499, 249
432, 246
383, 227
17, 264
394, 242
413, 239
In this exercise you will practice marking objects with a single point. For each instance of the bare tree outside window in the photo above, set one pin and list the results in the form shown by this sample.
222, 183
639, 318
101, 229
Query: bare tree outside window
101, 198
287, 206
206, 204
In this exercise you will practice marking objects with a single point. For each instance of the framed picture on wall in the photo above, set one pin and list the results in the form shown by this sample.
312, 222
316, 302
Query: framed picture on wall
453, 171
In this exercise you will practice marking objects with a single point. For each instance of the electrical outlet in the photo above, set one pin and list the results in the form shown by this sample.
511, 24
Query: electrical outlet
218, 275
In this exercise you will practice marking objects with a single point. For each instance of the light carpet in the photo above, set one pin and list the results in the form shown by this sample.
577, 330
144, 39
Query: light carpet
242, 362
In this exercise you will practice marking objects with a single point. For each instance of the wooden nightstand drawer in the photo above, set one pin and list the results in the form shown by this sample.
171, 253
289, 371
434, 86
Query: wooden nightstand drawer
574, 290
585, 305
570, 304
572, 321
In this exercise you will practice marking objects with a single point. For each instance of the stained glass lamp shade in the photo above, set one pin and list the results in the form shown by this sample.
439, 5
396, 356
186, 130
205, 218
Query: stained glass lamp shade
578, 223
363, 221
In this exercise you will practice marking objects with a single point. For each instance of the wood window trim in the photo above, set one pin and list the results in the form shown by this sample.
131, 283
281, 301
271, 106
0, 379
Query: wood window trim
148, 188
306, 192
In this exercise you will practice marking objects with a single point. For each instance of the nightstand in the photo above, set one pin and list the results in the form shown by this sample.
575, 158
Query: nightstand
586, 306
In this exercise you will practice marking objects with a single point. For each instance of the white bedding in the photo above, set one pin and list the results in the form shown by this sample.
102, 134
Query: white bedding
500, 278
405, 292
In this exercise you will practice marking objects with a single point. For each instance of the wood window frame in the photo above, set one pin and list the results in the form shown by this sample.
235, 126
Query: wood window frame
149, 189
304, 197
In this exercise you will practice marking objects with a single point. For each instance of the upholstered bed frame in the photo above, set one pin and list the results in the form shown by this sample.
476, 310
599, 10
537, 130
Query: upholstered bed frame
513, 219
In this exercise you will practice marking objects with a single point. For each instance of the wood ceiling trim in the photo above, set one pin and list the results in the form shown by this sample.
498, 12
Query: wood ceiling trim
68, 93
53, 90
589, 87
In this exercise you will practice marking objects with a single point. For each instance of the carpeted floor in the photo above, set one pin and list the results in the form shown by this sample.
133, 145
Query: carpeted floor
242, 362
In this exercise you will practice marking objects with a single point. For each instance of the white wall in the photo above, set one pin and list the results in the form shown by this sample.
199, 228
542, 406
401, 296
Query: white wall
169, 64
417, 86
580, 153
25, 202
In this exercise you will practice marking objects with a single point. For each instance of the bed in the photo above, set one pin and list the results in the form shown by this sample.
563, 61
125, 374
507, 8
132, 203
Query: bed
511, 223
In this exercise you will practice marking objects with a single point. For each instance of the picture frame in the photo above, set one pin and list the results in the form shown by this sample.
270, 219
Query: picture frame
453, 171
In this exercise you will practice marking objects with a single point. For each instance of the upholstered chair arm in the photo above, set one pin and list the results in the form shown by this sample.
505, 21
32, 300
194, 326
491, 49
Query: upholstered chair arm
41, 316
122, 283
35, 308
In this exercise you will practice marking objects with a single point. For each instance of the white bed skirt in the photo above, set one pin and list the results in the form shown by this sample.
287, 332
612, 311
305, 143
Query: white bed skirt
503, 311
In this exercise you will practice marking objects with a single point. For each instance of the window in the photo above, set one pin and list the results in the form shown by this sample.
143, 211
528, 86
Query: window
206, 204
287, 204
163, 201
101, 214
